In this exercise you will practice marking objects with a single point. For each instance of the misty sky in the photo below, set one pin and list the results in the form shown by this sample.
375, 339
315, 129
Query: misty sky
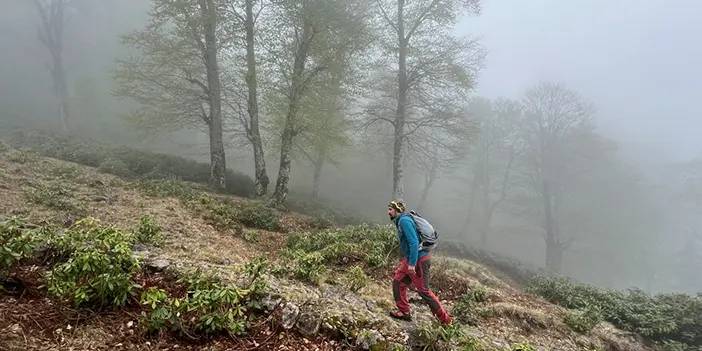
638, 61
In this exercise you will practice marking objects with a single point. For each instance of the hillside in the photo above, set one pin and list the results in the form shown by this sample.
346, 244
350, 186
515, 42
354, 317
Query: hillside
297, 282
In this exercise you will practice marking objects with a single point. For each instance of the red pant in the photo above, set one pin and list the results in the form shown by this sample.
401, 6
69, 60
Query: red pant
420, 280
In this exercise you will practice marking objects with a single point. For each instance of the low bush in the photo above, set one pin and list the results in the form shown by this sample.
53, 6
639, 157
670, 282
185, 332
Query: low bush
209, 307
582, 321
662, 318
433, 337
99, 267
225, 214
17, 242
465, 309
148, 231
369, 245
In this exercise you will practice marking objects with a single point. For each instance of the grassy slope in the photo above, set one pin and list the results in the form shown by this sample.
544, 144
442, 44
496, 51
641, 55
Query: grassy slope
508, 316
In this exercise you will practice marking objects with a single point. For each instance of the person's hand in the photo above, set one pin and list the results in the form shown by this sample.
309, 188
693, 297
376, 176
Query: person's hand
411, 269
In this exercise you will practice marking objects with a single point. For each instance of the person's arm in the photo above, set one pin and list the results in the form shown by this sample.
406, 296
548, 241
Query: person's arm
410, 234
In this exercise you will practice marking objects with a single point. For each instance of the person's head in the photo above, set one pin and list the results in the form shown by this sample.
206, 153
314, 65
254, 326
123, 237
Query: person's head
395, 207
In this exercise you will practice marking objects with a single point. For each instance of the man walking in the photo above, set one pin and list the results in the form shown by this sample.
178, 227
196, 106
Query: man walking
413, 268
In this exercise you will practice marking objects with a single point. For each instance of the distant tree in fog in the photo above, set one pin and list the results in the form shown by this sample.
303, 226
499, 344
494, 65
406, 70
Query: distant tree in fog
51, 35
553, 115
492, 161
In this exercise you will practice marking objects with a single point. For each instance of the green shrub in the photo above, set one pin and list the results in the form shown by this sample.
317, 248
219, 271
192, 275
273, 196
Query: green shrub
258, 216
148, 232
221, 214
582, 321
659, 318
225, 214
434, 337
466, 308
372, 246
4, 147
99, 268
198, 280
208, 308
251, 236
356, 279
17, 242
307, 266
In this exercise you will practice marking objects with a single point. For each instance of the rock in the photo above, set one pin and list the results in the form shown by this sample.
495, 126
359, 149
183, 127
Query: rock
271, 302
158, 265
308, 323
368, 338
289, 315
101, 199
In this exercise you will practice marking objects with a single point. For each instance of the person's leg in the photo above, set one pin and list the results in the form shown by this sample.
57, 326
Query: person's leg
400, 283
421, 282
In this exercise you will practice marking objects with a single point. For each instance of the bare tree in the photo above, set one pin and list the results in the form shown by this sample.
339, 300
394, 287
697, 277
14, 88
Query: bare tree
553, 114
431, 64
51, 30
176, 81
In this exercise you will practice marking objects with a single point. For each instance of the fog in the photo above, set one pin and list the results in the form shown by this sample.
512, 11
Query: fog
631, 174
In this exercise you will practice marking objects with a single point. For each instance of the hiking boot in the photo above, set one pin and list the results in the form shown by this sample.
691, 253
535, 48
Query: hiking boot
401, 315
448, 321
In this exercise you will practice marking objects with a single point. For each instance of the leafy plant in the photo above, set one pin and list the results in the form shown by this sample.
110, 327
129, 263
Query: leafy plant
149, 232
209, 308
308, 266
373, 246
582, 321
674, 318
466, 308
17, 242
434, 337
356, 279
258, 216
99, 266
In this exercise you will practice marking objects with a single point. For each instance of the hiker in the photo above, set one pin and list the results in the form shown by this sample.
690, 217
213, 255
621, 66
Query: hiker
413, 268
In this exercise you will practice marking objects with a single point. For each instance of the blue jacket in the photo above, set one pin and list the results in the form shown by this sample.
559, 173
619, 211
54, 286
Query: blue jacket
409, 239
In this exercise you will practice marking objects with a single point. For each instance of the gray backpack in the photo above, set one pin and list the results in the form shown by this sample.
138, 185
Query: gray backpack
428, 237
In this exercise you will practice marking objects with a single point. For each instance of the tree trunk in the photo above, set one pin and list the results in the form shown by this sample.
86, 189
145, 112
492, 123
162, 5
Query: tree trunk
51, 35
217, 157
316, 177
296, 89
262, 180
475, 185
61, 91
554, 249
429, 179
397, 183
